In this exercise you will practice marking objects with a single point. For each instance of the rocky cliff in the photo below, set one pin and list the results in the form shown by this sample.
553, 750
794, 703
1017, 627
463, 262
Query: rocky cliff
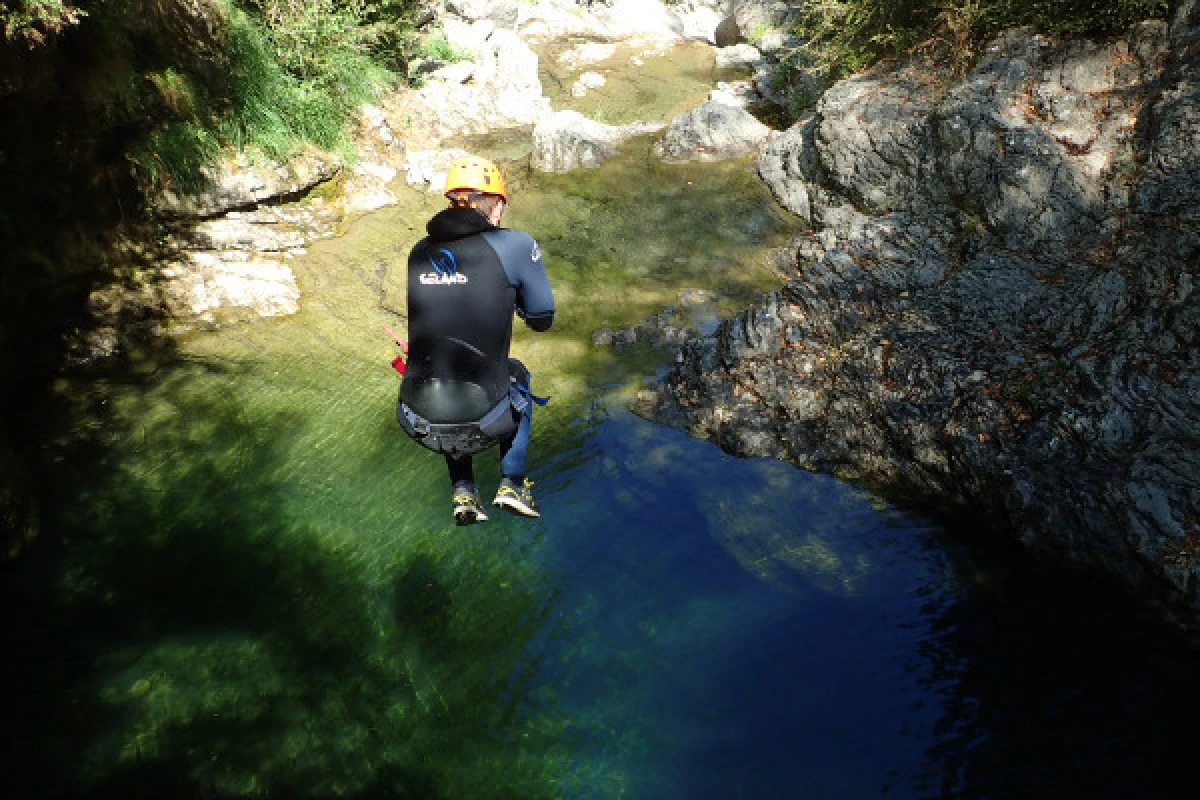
995, 312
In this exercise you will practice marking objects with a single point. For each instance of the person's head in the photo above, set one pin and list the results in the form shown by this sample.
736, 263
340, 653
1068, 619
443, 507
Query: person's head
474, 182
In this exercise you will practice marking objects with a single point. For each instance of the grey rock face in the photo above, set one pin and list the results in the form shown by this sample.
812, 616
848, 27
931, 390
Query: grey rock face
996, 309
713, 131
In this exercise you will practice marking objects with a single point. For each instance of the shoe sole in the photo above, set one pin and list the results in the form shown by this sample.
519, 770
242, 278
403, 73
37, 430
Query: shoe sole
513, 506
469, 516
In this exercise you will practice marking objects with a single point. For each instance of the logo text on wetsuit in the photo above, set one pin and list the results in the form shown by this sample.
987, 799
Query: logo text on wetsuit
445, 269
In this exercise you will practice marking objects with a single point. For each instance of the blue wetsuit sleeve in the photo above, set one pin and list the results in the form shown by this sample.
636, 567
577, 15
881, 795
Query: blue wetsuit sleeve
522, 260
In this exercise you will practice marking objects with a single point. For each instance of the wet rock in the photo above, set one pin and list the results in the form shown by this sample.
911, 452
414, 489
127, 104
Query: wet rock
711, 132
213, 289
502, 13
237, 183
429, 167
727, 33
587, 53
996, 309
739, 55
586, 82
567, 140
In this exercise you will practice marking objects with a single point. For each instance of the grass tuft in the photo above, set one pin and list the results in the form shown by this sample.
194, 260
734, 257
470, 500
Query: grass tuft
841, 37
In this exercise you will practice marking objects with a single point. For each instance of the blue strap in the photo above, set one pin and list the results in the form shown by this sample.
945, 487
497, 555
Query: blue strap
520, 396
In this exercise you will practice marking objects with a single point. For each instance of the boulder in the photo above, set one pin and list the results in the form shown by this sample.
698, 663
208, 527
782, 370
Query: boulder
713, 131
237, 183
744, 56
756, 17
501, 13
567, 140
727, 33
429, 167
504, 90
615, 21
586, 82
699, 22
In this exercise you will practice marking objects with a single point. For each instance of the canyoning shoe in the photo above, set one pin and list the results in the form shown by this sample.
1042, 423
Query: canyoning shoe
516, 497
467, 508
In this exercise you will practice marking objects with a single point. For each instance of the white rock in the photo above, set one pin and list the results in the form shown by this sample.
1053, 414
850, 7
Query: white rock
587, 53
738, 55
700, 24
380, 172
587, 81
734, 93
456, 73
502, 13
425, 166
367, 197
567, 140
469, 36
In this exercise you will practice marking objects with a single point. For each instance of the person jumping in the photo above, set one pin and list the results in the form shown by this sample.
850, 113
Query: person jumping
461, 393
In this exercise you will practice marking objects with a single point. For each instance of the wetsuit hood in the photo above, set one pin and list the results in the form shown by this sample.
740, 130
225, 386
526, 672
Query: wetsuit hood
455, 223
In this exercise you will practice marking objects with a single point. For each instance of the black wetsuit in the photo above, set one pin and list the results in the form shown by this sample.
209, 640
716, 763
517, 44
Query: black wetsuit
465, 280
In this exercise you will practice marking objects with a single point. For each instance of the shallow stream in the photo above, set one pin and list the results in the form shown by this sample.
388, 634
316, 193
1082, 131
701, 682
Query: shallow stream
251, 585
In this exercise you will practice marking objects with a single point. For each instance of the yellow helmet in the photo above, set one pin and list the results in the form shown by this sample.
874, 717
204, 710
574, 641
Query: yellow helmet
474, 174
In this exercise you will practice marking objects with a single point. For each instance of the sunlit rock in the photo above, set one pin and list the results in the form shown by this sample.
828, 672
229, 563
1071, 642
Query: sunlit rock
995, 311
712, 132
567, 140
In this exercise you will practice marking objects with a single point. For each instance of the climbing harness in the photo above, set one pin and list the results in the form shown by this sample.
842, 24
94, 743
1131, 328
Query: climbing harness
498, 425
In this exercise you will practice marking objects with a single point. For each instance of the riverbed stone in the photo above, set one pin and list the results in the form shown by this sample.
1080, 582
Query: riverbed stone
995, 311
713, 131
501, 13
567, 140
743, 55
429, 167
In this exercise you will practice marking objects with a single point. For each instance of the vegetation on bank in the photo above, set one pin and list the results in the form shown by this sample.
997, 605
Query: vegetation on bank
165, 84
104, 102
840, 37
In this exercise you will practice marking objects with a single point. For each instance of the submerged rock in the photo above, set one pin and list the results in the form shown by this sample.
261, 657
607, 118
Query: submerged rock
568, 140
996, 310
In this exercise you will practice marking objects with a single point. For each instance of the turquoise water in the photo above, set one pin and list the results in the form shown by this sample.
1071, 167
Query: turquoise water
250, 584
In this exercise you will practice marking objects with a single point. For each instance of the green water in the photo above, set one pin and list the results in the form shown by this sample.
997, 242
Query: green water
260, 571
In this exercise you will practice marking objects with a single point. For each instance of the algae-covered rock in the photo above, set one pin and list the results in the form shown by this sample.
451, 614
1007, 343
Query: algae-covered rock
568, 140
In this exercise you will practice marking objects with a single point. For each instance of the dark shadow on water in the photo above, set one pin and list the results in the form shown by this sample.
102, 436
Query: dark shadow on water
1052, 685
177, 634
